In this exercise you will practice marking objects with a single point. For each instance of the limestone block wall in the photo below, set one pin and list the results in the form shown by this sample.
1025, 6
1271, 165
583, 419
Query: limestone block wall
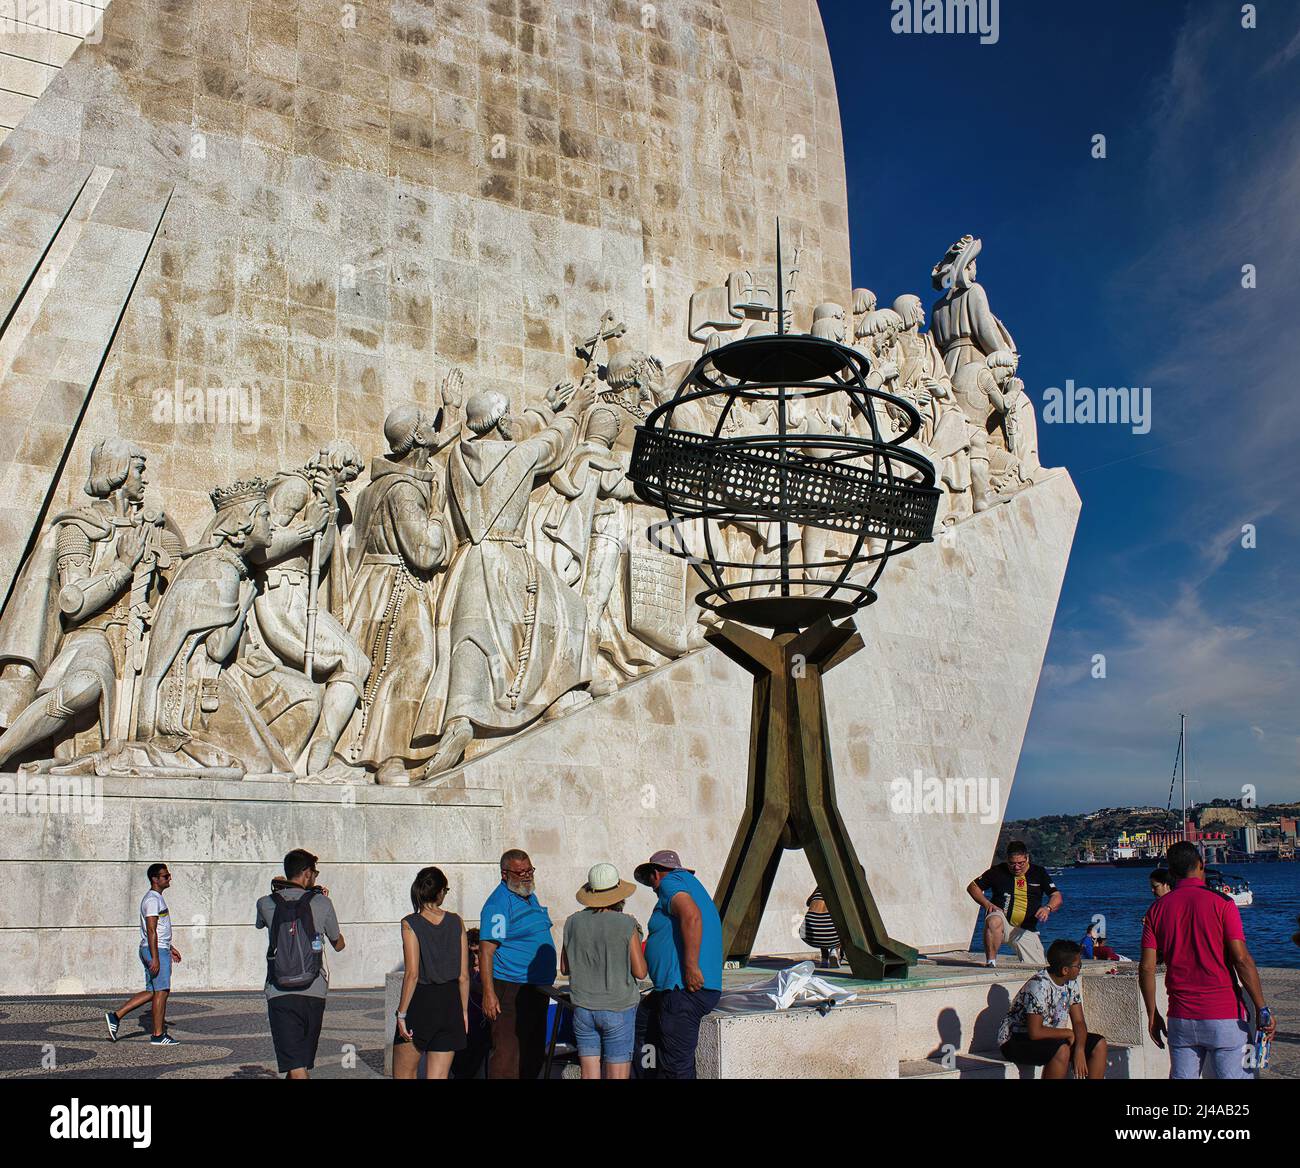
359, 197
70, 920
954, 648
36, 41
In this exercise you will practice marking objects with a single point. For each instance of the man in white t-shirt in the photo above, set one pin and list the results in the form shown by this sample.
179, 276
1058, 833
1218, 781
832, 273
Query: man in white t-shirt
156, 955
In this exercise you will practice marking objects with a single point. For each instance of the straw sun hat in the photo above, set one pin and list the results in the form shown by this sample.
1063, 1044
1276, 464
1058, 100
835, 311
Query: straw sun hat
604, 888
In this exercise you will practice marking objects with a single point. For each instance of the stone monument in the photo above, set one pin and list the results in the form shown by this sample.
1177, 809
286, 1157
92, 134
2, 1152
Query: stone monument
374, 253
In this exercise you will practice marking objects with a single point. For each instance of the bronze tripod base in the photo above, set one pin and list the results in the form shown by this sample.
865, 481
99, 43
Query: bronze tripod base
791, 798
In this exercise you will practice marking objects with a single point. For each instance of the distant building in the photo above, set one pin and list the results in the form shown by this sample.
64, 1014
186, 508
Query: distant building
1213, 845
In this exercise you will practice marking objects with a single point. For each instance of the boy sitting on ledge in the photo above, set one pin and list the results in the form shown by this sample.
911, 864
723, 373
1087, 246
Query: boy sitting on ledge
1035, 1029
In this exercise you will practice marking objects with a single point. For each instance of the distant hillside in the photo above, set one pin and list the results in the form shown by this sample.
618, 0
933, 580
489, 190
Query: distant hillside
1058, 839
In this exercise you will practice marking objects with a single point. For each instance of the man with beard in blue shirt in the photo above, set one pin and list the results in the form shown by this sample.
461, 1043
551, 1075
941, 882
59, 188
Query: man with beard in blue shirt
517, 961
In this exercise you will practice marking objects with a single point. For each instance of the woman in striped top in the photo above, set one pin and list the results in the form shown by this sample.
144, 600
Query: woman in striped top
819, 930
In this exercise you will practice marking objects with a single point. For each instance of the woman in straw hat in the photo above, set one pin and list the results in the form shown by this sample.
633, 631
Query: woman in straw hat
603, 959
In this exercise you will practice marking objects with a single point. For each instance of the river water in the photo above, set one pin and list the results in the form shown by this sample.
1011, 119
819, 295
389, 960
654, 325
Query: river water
1121, 895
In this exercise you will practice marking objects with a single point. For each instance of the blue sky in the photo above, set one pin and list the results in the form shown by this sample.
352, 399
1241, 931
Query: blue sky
1122, 271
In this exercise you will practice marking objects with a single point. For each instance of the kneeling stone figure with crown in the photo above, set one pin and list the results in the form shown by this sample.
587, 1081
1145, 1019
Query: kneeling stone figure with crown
193, 709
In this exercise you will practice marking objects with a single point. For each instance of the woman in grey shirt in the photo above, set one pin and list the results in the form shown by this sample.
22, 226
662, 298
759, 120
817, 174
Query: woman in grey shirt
603, 958
433, 1012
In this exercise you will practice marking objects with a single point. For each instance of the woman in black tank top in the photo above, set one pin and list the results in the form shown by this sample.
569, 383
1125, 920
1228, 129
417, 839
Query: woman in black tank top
432, 1013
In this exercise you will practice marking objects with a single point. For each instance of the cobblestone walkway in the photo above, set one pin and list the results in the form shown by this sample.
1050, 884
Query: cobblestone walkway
224, 1036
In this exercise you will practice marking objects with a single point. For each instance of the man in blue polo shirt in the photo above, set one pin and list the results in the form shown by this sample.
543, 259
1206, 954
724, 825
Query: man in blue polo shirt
683, 951
517, 960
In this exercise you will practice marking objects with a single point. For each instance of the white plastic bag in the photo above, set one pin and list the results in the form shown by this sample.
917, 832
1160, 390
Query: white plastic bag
800, 983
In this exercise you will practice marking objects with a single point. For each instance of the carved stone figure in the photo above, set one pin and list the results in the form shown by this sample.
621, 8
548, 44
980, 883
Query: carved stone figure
74, 624
824, 415
401, 542
980, 392
588, 485
512, 637
634, 385
652, 616
1020, 431
924, 379
963, 324
829, 322
292, 623
584, 523
864, 301
194, 715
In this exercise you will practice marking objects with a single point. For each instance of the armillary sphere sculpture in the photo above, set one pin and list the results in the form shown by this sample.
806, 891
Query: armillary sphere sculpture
779, 437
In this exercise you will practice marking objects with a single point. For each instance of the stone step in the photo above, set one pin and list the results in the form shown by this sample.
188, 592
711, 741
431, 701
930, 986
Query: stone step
1122, 1062
965, 1066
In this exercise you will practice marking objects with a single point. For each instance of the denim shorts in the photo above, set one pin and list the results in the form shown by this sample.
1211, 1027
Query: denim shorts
162, 980
607, 1034
1222, 1041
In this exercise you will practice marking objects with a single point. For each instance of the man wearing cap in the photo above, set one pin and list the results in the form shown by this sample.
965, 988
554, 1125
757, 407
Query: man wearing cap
517, 960
684, 956
603, 960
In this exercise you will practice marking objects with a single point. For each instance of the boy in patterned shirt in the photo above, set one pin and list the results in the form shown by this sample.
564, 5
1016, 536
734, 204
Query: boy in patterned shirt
1045, 1025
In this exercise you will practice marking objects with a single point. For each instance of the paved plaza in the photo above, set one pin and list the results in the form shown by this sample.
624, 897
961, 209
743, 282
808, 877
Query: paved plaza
224, 1036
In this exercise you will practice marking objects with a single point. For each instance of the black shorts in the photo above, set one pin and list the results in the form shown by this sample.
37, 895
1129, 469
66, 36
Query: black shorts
295, 1030
435, 1018
1038, 1052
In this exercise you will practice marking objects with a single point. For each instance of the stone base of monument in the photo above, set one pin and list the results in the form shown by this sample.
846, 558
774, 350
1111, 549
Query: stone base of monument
940, 1023
858, 1040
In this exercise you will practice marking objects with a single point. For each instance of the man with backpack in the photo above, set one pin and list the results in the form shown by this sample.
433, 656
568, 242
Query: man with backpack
298, 915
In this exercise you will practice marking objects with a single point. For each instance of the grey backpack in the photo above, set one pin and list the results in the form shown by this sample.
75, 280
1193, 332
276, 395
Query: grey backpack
294, 957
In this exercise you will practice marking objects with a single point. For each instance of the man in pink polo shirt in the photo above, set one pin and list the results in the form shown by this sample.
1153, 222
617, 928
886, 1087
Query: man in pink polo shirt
1197, 933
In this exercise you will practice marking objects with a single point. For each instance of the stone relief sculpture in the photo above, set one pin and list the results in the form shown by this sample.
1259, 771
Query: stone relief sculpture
864, 301
651, 616
74, 625
512, 635
923, 379
193, 714
305, 540
964, 326
584, 523
745, 297
193, 710
493, 571
401, 542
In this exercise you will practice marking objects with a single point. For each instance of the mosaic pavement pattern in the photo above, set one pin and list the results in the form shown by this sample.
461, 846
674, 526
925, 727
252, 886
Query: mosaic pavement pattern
224, 1036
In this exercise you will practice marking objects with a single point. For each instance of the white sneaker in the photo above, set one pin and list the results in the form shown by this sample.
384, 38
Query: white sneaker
991, 963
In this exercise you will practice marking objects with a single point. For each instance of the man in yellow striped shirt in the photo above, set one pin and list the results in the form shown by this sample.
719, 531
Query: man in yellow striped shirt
1012, 895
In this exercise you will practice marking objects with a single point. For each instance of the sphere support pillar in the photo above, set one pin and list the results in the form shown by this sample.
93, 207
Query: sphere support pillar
790, 801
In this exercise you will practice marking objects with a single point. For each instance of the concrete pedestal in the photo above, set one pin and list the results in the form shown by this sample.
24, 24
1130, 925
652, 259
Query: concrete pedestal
854, 1041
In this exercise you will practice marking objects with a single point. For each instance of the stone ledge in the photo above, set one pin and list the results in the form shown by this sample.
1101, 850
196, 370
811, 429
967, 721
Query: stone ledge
196, 786
855, 1041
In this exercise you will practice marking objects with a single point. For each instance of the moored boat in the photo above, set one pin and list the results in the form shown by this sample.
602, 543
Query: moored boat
1235, 887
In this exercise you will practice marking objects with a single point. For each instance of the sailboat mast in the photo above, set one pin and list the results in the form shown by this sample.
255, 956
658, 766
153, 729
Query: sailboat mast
1182, 731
